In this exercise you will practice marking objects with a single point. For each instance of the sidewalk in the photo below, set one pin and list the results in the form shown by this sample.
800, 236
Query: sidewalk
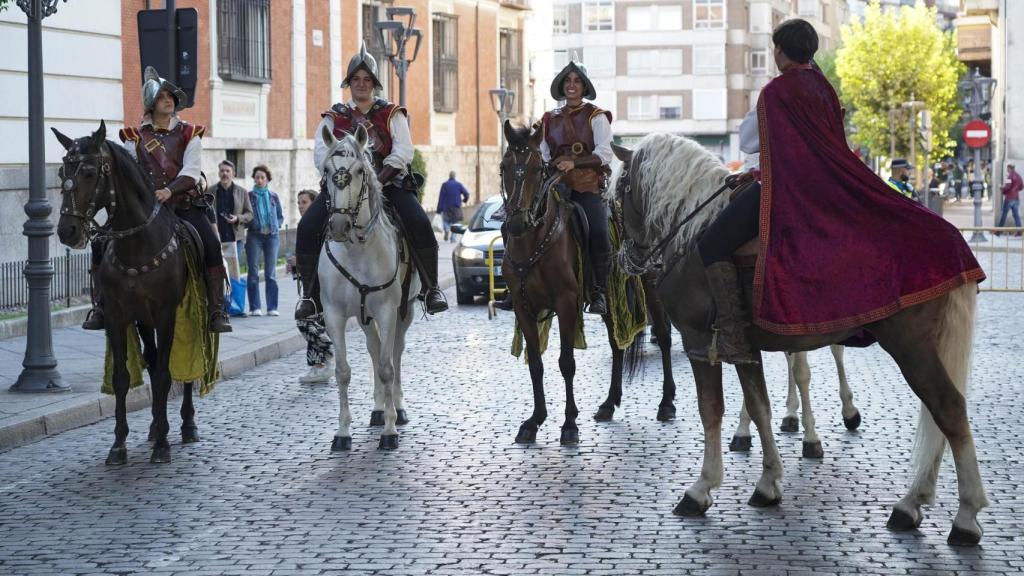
961, 214
27, 417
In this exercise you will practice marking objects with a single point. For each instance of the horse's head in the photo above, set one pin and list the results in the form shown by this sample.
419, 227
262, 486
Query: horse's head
85, 185
350, 182
522, 176
628, 193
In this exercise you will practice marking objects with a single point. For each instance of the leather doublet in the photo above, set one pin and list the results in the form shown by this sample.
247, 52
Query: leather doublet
376, 121
569, 133
161, 153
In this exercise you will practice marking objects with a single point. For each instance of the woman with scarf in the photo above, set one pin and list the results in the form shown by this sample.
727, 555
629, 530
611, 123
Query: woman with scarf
262, 237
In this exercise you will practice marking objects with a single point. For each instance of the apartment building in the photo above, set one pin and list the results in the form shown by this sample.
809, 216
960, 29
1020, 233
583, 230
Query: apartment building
691, 67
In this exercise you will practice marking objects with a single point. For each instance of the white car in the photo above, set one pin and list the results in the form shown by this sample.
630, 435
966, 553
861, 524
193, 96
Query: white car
470, 255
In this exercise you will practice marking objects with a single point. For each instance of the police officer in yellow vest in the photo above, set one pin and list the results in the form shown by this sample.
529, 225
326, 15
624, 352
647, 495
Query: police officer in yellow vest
899, 178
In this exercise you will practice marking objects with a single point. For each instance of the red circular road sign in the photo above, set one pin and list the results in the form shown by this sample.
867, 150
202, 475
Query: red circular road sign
977, 134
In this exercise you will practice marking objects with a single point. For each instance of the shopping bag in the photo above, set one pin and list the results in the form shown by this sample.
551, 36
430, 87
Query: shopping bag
236, 304
437, 223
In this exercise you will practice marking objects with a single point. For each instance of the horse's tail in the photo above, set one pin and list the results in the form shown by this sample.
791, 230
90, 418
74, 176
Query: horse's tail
633, 359
955, 339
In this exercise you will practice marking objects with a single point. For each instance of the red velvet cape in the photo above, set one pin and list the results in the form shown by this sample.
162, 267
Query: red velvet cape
839, 247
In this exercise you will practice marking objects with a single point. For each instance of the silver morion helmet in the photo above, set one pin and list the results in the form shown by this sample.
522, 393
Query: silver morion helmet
152, 84
365, 61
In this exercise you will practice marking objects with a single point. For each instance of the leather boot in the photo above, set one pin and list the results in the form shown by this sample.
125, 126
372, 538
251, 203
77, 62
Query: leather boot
94, 319
432, 295
309, 301
506, 302
598, 302
729, 342
215, 278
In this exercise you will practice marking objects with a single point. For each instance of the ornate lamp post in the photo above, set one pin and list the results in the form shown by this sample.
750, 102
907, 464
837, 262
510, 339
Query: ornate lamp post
40, 365
503, 101
394, 37
976, 96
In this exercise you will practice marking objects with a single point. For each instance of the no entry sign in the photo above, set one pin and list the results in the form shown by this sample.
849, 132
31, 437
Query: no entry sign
977, 134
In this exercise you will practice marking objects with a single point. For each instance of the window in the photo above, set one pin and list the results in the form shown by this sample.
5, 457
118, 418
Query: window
600, 61
658, 17
708, 14
670, 107
642, 107
809, 8
373, 12
709, 59
446, 63
560, 19
511, 60
759, 62
243, 34
665, 62
760, 18
709, 104
598, 15
561, 59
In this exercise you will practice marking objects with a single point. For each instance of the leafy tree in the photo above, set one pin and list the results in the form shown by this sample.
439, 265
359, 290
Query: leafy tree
893, 57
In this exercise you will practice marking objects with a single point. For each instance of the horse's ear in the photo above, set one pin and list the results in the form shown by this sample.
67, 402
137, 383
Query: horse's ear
537, 135
327, 136
622, 153
64, 140
510, 132
99, 136
362, 137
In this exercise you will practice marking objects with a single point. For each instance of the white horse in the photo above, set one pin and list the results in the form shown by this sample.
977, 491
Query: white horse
365, 272
800, 378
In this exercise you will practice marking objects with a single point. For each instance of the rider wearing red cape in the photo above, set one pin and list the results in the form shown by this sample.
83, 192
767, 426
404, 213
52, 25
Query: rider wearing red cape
839, 248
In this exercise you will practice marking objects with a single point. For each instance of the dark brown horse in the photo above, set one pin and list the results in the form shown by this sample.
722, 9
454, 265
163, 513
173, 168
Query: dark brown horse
540, 269
663, 180
142, 276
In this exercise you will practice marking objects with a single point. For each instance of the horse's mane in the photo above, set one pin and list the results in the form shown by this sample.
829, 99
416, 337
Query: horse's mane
128, 168
675, 174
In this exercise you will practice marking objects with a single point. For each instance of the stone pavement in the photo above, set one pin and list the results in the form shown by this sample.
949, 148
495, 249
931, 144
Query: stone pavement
25, 418
263, 494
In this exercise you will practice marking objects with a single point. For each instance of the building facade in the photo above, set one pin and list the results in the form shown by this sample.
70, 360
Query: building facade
267, 69
691, 67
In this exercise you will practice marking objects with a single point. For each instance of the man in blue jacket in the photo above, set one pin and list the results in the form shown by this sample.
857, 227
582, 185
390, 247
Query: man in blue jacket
449, 202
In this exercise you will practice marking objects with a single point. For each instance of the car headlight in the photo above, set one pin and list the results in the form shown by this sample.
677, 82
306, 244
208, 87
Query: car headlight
470, 253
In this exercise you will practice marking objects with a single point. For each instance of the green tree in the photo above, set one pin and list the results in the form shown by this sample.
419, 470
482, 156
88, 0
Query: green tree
892, 57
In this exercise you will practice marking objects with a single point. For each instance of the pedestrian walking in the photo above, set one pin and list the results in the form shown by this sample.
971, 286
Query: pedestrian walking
319, 348
234, 213
449, 203
1011, 196
262, 239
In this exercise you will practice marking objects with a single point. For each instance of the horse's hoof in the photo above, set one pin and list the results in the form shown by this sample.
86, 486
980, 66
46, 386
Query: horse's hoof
377, 418
117, 456
604, 413
853, 422
189, 435
666, 413
761, 500
790, 424
388, 442
570, 436
900, 521
341, 443
527, 434
961, 537
813, 450
690, 507
740, 444
403, 418
161, 455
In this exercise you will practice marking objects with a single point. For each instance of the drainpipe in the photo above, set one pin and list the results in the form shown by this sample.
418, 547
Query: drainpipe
477, 101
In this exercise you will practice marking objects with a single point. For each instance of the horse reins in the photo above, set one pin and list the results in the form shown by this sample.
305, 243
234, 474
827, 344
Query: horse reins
341, 178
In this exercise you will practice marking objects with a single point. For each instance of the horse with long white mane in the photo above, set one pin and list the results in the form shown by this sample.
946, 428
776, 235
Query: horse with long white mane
667, 177
365, 272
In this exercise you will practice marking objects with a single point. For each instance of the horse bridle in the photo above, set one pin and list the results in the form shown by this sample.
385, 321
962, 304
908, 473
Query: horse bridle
511, 199
69, 184
342, 178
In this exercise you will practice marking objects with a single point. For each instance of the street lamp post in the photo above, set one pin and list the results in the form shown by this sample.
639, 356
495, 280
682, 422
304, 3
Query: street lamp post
40, 365
913, 107
394, 34
976, 96
502, 100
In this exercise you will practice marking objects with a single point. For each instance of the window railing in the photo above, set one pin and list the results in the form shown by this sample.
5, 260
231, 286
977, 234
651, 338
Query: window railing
446, 63
243, 34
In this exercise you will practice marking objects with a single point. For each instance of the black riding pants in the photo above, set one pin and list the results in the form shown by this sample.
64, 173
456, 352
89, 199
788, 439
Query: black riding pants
194, 216
734, 227
597, 218
310, 235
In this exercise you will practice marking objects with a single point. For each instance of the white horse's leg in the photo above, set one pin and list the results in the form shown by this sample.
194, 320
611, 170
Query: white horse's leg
789, 421
768, 491
387, 321
697, 498
403, 326
343, 374
800, 371
741, 437
372, 335
851, 415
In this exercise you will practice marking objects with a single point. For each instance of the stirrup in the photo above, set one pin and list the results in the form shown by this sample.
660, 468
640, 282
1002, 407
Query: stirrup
94, 319
598, 304
435, 301
304, 311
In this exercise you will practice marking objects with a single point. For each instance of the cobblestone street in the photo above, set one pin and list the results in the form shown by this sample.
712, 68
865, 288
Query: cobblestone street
263, 494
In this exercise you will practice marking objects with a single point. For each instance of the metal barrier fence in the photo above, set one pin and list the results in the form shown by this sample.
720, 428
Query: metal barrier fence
1000, 251
70, 280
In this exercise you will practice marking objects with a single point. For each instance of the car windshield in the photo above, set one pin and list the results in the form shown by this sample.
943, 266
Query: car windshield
483, 219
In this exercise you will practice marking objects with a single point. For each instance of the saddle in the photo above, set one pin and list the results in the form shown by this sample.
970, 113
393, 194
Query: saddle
746, 256
191, 240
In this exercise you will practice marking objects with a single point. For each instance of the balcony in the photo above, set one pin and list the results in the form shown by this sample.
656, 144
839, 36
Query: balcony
517, 4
